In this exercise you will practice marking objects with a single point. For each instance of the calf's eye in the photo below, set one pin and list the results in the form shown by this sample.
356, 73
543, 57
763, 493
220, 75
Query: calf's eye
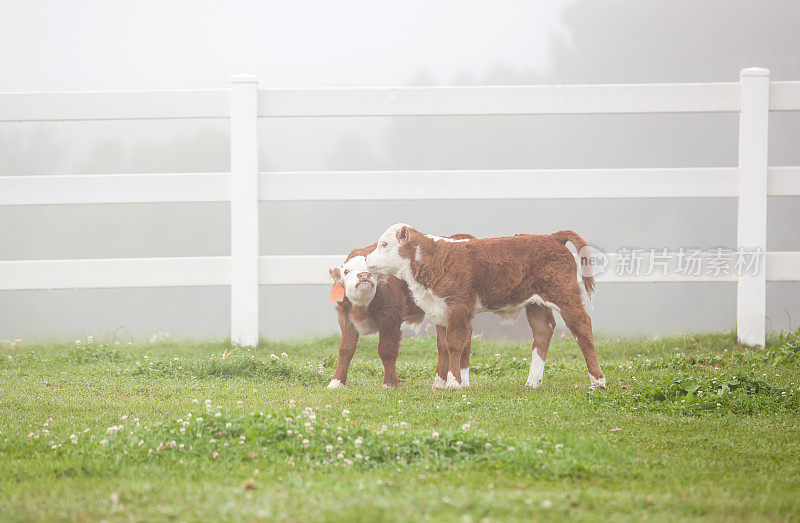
384, 244
347, 271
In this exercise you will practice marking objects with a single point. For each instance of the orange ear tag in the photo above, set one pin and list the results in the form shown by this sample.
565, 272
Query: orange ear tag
337, 292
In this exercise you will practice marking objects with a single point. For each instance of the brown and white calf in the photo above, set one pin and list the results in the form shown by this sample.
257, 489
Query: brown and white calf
372, 303
452, 280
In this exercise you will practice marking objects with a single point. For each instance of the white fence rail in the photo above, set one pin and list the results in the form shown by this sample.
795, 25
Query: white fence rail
752, 182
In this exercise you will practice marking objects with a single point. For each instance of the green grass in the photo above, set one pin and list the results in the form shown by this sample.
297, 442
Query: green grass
690, 427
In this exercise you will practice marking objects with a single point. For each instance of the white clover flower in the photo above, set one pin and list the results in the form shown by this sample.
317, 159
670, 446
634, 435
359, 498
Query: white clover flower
228, 425
488, 446
284, 355
511, 449
328, 448
214, 455
345, 413
273, 356
73, 438
305, 443
104, 442
465, 426
547, 503
435, 435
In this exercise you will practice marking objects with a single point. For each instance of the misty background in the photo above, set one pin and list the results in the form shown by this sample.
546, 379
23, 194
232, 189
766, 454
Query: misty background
112, 45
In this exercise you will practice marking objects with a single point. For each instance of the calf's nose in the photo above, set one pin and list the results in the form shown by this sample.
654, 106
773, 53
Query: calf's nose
364, 276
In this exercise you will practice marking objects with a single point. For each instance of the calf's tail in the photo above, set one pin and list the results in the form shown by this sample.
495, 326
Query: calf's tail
571, 236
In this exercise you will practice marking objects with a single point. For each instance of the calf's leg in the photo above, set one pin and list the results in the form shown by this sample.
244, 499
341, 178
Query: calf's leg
579, 324
459, 332
388, 348
542, 325
440, 380
347, 347
465, 359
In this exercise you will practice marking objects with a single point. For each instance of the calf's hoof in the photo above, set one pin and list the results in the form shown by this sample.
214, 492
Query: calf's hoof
335, 384
439, 383
452, 382
534, 384
597, 383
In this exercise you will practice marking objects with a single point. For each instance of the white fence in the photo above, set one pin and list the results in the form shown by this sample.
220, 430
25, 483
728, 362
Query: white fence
752, 182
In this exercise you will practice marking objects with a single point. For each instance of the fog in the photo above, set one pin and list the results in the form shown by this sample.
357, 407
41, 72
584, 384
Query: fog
106, 45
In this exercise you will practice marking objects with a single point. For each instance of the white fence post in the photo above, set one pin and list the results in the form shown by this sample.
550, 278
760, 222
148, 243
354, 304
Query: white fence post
244, 210
752, 227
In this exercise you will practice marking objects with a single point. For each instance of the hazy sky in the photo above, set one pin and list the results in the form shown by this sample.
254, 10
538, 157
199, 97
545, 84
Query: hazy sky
110, 45
95, 45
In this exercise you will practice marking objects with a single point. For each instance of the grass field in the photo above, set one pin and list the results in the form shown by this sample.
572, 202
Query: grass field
690, 427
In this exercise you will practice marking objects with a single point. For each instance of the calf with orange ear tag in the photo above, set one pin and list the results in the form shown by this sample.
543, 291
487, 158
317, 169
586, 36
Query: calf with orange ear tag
367, 303
371, 303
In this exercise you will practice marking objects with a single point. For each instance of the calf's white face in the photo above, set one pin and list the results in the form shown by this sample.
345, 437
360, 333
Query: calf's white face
359, 282
386, 259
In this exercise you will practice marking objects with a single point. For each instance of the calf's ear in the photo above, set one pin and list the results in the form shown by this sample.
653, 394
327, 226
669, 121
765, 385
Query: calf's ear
336, 274
403, 235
